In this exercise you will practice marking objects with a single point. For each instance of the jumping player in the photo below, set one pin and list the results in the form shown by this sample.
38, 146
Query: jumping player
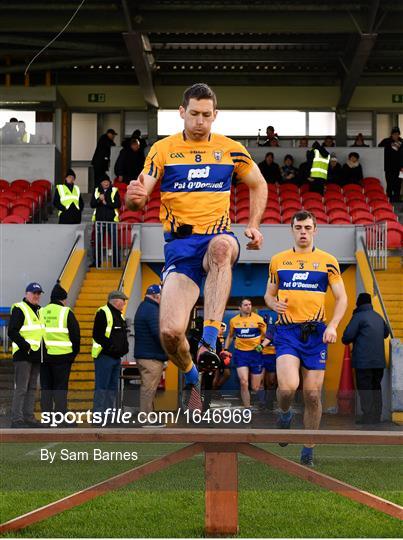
195, 168
296, 290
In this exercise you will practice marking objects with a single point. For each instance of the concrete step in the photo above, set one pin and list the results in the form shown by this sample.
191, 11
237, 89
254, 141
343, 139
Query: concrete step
82, 376
86, 325
75, 385
98, 287
80, 405
86, 302
84, 312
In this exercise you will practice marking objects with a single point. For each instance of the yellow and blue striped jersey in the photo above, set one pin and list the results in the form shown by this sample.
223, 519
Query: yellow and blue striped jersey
196, 180
303, 279
248, 331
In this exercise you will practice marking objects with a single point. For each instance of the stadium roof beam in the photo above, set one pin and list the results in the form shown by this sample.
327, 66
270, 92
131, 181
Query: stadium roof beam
12, 39
139, 48
243, 55
38, 66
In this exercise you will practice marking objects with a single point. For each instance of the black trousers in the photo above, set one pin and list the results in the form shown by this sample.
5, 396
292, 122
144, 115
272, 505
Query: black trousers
54, 386
393, 185
369, 389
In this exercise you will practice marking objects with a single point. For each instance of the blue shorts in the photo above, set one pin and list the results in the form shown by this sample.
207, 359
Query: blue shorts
250, 359
185, 255
269, 362
312, 354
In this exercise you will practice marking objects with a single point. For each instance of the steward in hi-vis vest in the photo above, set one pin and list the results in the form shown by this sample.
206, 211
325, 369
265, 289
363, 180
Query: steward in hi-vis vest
108, 346
106, 202
62, 342
68, 200
320, 165
26, 332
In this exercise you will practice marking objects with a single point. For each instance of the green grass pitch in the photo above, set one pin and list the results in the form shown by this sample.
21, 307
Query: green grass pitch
170, 503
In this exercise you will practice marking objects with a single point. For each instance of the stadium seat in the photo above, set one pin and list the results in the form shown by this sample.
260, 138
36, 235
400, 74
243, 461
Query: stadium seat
240, 205
380, 205
288, 187
3, 212
9, 195
384, 215
120, 185
25, 201
338, 214
4, 184
292, 206
395, 235
375, 195
331, 188
362, 221
290, 196
321, 217
374, 187
304, 188
339, 221
242, 214
46, 184
153, 203
312, 196
314, 206
39, 189
357, 205
286, 215
23, 211
4, 202
23, 185
34, 197
151, 219
333, 196
273, 203
361, 214
13, 219
271, 221
272, 188
131, 216
350, 188
370, 181
232, 215
271, 213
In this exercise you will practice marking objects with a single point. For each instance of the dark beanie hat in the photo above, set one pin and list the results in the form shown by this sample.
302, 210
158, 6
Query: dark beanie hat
58, 293
363, 298
70, 172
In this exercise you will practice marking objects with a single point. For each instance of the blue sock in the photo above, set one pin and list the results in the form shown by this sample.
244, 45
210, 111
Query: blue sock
286, 415
210, 335
306, 452
192, 376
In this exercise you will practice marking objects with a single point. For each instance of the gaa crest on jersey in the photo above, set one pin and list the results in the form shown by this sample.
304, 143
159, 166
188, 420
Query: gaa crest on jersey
217, 155
315, 266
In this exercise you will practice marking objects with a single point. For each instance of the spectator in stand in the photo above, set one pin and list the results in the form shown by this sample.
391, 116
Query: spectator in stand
68, 200
102, 155
271, 137
359, 141
367, 331
288, 171
334, 172
106, 202
130, 162
142, 140
392, 163
304, 170
148, 351
26, 332
9, 133
269, 169
328, 142
351, 172
303, 142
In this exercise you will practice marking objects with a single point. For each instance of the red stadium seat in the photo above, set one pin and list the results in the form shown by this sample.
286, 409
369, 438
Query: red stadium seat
291, 206
339, 221
374, 187
331, 188
272, 188
380, 205
240, 205
357, 205
153, 203
395, 235
4, 184
242, 214
131, 216
338, 214
20, 183
271, 221
288, 196
39, 189
288, 187
23, 211
4, 202
349, 188
151, 219
362, 214
24, 201
13, 219
120, 185
312, 196
46, 184
287, 214
272, 203
333, 196
304, 188
232, 215
271, 213
375, 195
3, 212
9, 195
370, 181
322, 216
314, 206
384, 215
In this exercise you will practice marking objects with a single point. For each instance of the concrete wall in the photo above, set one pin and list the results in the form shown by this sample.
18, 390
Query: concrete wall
32, 253
28, 161
371, 158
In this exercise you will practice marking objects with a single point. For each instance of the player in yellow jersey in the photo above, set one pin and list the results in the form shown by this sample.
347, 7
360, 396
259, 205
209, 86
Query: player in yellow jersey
195, 168
249, 330
296, 290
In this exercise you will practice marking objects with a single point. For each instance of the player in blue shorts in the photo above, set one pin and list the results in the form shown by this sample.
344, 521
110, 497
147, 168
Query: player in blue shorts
195, 168
298, 281
269, 360
249, 329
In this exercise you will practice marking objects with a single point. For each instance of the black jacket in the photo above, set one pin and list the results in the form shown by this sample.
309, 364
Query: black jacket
129, 164
102, 153
24, 352
334, 174
105, 212
351, 175
117, 344
70, 215
271, 173
147, 331
393, 152
74, 336
366, 331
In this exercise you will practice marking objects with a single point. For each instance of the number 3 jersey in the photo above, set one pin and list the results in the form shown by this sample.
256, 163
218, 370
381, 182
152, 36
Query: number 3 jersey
196, 180
302, 280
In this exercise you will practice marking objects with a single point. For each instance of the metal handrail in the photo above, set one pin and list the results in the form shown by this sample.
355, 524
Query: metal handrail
122, 278
376, 288
69, 257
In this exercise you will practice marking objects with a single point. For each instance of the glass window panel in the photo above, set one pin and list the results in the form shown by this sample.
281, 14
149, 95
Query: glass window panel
322, 123
359, 122
136, 120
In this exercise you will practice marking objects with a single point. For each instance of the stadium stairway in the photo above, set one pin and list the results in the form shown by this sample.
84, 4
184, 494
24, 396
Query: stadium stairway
391, 287
93, 294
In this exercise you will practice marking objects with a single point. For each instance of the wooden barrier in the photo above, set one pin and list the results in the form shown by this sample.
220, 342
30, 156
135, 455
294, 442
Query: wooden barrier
221, 448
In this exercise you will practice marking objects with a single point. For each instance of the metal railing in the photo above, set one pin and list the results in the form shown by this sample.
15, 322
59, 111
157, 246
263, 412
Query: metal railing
73, 247
376, 288
376, 242
122, 278
112, 243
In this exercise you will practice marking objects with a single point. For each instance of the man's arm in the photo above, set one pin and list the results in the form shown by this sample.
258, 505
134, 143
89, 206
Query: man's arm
340, 296
351, 331
271, 300
228, 339
257, 205
139, 190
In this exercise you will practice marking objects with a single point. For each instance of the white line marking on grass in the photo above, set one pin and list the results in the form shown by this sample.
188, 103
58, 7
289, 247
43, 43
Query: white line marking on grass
37, 450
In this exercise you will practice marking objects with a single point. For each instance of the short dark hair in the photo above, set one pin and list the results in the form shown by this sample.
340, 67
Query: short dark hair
198, 91
133, 140
354, 154
288, 156
270, 127
302, 215
242, 300
269, 154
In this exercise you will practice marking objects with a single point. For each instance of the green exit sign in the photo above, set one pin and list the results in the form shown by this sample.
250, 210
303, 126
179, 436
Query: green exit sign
397, 98
96, 98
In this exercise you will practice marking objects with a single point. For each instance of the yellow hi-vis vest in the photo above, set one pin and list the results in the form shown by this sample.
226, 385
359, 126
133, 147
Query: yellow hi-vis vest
97, 194
33, 328
320, 166
67, 197
96, 347
56, 338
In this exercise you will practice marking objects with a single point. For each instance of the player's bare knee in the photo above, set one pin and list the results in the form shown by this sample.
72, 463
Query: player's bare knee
287, 392
312, 398
220, 251
244, 383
